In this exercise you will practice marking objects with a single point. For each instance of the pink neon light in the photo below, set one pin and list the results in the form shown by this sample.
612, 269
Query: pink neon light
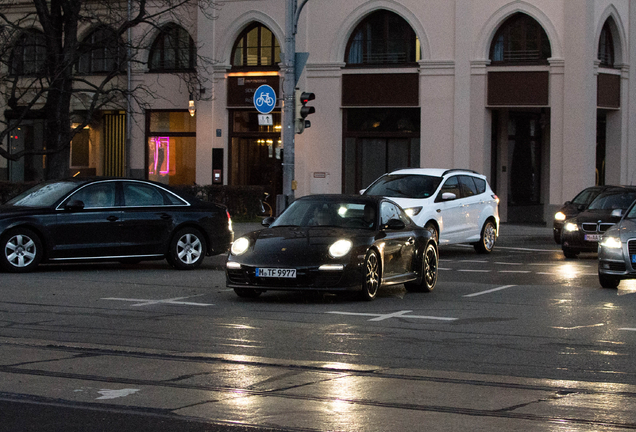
161, 151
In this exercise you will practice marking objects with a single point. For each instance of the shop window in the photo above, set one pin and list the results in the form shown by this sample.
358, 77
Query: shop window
171, 147
100, 52
29, 54
256, 47
520, 40
173, 49
606, 47
383, 38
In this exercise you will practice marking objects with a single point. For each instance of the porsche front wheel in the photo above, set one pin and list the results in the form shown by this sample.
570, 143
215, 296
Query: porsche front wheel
371, 281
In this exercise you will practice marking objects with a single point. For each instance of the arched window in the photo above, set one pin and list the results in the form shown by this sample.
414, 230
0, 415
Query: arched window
172, 50
101, 52
256, 48
383, 38
29, 54
520, 40
606, 46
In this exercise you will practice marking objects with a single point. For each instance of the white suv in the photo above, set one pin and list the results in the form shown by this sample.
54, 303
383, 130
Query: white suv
457, 206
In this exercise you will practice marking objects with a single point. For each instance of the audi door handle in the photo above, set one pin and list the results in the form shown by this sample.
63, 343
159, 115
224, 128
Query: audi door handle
166, 216
112, 218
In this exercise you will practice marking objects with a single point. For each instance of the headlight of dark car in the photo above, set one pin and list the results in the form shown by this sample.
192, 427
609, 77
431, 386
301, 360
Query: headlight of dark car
571, 227
240, 246
340, 248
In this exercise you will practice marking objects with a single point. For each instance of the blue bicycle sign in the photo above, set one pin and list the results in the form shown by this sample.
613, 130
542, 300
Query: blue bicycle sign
264, 99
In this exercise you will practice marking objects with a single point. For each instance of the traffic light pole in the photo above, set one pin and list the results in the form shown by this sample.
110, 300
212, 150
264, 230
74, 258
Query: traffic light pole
289, 131
292, 12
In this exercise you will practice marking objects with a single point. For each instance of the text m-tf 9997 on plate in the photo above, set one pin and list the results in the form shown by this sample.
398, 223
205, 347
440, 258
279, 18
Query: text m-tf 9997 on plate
276, 272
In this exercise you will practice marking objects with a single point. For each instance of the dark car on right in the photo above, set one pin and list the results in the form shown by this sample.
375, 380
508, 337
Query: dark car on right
583, 232
571, 208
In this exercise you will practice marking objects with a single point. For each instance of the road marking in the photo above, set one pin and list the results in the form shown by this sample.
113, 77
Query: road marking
627, 329
514, 271
400, 314
113, 394
489, 291
528, 249
172, 301
474, 271
511, 264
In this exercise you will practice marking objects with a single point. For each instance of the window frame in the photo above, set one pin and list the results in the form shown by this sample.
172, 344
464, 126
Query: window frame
36, 64
92, 45
242, 40
606, 52
408, 38
172, 32
529, 30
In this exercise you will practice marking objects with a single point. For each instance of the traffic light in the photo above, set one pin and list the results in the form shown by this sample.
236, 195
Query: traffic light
302, 110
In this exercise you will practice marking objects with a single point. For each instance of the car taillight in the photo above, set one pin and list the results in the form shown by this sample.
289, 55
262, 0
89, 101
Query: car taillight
229, 220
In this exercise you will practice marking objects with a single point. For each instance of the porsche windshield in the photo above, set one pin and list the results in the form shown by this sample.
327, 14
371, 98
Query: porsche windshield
405, 186
43, 195
321, 213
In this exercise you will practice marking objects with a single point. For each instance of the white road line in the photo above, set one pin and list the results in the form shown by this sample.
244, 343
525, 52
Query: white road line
627, 329
400, 314
147, 302
527, 249
511, 264
474, 271
489, 291
514, 271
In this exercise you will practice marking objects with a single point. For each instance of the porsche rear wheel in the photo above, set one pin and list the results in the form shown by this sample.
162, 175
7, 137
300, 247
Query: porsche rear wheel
371, 281
429, 271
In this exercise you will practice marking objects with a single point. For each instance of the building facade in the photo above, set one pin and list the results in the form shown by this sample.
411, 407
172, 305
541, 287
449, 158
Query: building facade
538, 95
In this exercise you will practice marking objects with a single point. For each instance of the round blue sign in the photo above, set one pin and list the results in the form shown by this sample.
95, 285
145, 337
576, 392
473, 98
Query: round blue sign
264, 99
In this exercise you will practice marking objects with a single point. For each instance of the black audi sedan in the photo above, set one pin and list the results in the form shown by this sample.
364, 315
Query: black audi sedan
109, 219
571, 208
583, 232
334, 243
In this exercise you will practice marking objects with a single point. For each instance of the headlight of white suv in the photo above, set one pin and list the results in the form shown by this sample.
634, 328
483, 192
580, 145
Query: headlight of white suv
240, 246
413, 211
611, 242
571, 227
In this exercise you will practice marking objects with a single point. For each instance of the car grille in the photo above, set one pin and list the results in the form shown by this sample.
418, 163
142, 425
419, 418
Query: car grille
631, 247
596, 227
304, 278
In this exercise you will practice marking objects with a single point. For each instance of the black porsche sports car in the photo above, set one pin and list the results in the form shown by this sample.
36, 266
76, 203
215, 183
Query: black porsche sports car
109, 219
334, 243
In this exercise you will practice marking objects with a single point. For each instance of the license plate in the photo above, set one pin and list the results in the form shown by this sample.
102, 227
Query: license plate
276, 272
593, 237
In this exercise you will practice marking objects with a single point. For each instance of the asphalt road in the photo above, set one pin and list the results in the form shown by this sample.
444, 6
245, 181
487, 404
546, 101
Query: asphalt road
521, 339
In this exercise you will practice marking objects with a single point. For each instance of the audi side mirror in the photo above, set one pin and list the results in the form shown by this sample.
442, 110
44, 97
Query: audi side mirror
74, 205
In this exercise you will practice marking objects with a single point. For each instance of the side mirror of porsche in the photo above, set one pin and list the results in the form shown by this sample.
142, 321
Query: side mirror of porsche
395, 224
268, 221
74, 205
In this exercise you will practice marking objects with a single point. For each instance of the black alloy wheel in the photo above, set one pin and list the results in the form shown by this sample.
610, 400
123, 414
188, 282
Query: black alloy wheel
22, 250
428, 278
187, 249
372, 279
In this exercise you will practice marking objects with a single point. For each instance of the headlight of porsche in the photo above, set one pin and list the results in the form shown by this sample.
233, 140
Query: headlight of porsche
571, 227
340, 248
240, 246
611, 242
560, 216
